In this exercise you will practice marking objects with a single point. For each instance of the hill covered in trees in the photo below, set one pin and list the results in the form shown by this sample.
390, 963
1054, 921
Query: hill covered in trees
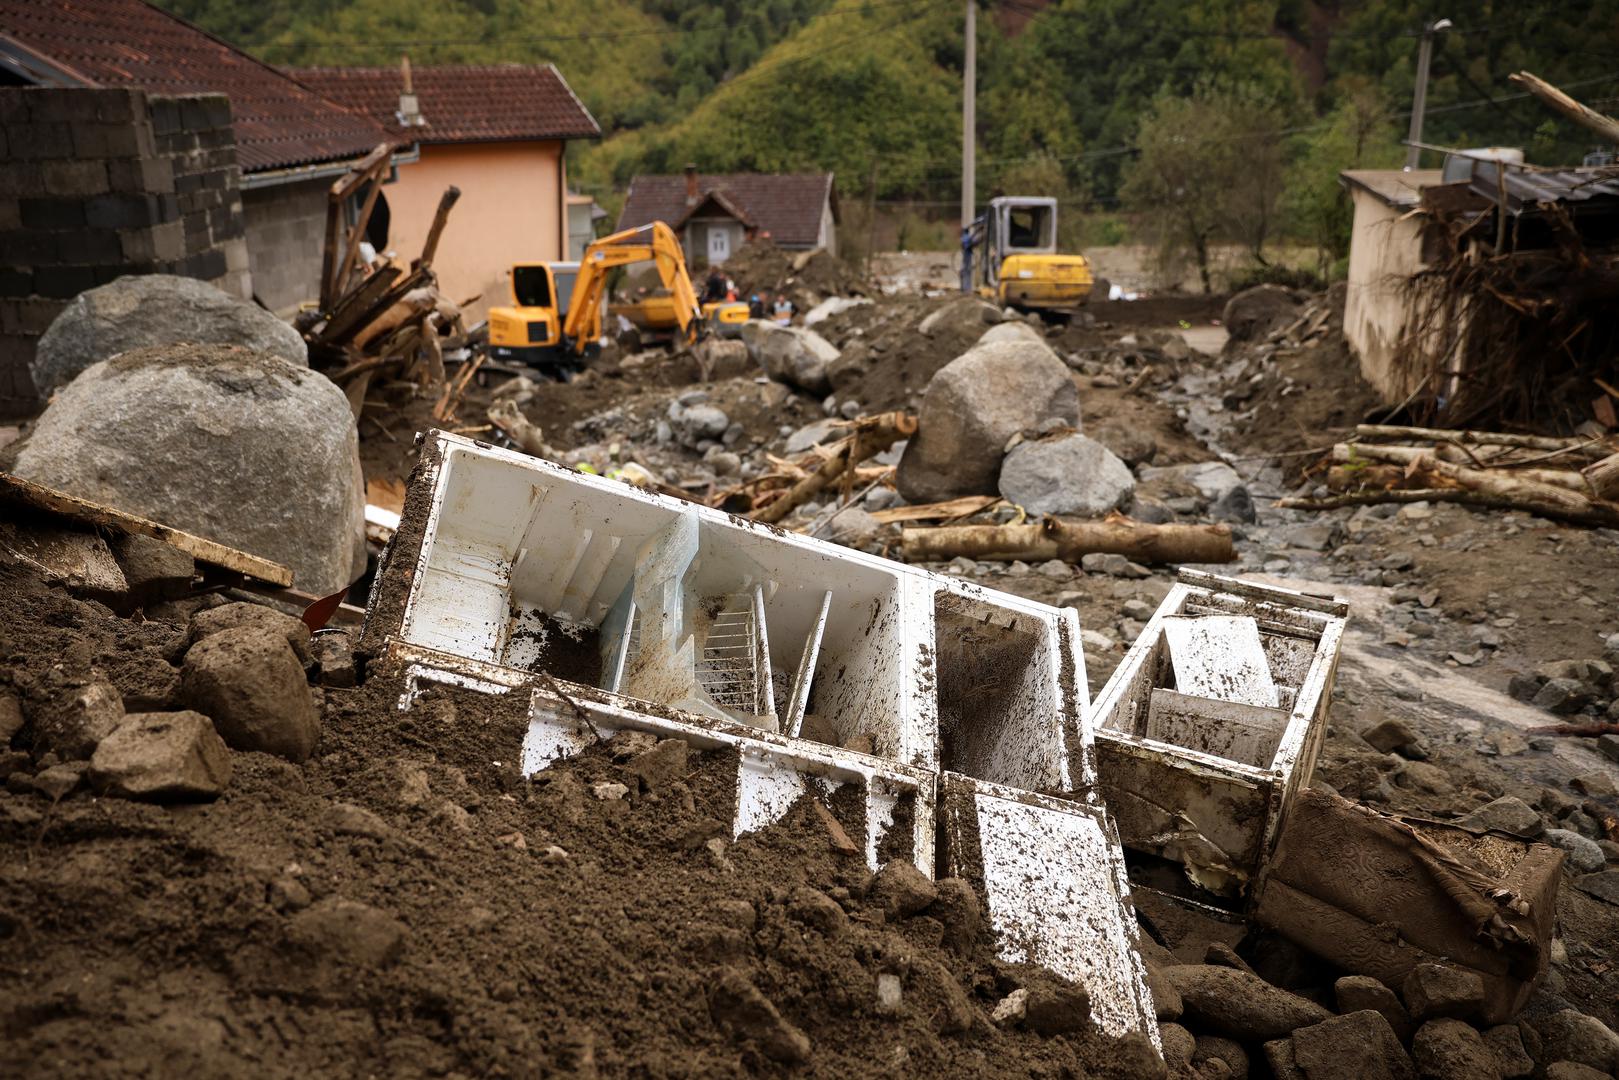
1076, 97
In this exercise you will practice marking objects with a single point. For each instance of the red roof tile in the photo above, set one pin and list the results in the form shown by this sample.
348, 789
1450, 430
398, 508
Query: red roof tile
131, 43
462, 103
787, 206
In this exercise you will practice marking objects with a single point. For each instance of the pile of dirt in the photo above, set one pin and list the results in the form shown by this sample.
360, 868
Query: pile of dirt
1287, 393
407, 903
806, 278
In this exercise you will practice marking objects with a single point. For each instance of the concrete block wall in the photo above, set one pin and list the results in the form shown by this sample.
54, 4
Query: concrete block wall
95, 184
287, 226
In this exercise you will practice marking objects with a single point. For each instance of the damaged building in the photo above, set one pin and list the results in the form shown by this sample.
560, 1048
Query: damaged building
1482, 294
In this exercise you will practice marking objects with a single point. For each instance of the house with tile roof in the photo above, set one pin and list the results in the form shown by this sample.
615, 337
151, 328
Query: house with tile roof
290, 142
499, 133
715, 214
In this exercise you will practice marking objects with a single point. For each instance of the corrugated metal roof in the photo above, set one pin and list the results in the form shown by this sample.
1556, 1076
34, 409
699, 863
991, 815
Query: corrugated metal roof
462, 103
278, 122
1527, 189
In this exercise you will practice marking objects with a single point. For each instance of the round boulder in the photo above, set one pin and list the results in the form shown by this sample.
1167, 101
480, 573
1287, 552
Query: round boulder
1254, 313
972, 406
1065, 474
154, 309
791, 355
240, 447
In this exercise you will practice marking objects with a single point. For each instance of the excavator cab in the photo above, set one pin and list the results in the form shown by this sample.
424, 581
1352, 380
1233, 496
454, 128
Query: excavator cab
1009, 255
530, 330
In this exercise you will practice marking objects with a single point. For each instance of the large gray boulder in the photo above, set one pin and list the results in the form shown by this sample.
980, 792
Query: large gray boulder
972, 406
1254, 313
236, 446
790, 354
154, 309
1065, 474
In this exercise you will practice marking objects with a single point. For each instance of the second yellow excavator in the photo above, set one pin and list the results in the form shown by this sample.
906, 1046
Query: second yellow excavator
556, 312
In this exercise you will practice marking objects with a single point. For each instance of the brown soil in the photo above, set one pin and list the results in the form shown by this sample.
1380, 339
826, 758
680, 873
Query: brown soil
224, 938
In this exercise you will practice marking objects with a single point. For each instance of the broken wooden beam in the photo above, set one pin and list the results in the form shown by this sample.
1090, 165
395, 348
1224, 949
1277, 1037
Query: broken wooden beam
1055, 538
1603, 477
429, 249
1556, 100
17, 490
872, 435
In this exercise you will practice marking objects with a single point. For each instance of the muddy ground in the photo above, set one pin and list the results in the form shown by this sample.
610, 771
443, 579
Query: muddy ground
406, 903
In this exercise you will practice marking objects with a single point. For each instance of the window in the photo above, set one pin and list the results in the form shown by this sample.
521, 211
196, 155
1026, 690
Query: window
531, 286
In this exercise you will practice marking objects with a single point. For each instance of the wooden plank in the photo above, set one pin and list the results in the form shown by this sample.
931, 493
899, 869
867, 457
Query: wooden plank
16, 489
940, 511
351, 308
368, 315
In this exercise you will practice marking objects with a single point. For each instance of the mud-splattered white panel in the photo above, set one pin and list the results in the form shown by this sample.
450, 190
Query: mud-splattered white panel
1050, 884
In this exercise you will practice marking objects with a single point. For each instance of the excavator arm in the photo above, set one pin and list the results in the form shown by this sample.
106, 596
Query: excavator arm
655, 243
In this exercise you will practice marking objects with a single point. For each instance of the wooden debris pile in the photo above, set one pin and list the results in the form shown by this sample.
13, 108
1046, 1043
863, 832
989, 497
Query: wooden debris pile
1567, 479
381, 330
938, 532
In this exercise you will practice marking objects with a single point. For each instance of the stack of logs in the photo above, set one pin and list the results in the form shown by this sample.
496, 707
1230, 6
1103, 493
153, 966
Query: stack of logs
1567, 479
379, 326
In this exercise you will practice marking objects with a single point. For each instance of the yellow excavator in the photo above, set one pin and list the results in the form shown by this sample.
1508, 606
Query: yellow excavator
556, 312
1009, 255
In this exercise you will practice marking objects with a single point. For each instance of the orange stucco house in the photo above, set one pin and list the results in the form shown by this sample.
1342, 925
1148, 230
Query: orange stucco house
497, 132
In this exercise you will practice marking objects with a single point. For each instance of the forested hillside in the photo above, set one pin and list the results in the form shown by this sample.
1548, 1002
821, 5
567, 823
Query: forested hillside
1069, 91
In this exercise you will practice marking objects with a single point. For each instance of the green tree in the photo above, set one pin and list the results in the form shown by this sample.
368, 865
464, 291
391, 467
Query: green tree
1358, 134
1207, 170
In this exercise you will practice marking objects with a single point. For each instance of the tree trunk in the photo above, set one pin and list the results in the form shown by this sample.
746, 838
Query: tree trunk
1069, 540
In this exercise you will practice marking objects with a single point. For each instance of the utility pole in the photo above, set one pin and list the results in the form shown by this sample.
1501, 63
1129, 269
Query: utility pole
969, 123
1419, 99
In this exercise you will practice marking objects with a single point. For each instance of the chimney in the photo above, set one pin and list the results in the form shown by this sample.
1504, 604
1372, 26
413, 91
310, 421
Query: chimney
691, 184
410, 113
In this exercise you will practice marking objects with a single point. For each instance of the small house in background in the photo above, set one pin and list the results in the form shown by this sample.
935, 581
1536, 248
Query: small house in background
583, 214
497, 132
715, 215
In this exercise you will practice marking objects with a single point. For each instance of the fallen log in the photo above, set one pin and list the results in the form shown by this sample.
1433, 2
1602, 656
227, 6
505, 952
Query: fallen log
1348, 452
872, 435
1055, 538
1390, 432
1604, 477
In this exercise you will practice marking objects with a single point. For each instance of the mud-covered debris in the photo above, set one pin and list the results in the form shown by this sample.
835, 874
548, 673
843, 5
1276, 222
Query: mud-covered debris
1240, 1005
902, 890
664, 763
812, 907
242, 613
1446, 1048
72, 721
1571, 1035
152, 569
1057, 1008
333, 653
1215, 1053
248, 680
1356, 993
162, 757
1179, 1046
1355, 1046
1012, 1008
1506, 1041
738, 1006
349, 931
890, 994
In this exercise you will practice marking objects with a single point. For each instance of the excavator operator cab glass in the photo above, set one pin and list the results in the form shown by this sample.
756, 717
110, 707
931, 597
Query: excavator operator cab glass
531, 286
564, 275
1030, 226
